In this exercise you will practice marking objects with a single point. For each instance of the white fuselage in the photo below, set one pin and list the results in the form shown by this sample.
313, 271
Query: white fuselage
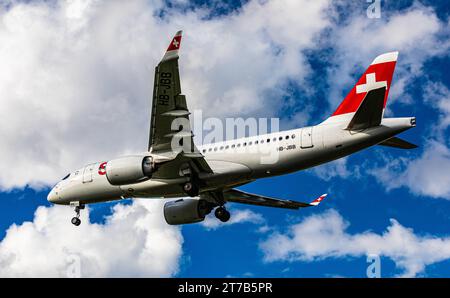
240, 161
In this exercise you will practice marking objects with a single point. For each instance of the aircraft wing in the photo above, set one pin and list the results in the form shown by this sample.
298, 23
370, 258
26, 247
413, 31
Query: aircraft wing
170, 131
238, 196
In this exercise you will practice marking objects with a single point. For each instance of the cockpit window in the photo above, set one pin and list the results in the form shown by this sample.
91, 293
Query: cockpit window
68, 175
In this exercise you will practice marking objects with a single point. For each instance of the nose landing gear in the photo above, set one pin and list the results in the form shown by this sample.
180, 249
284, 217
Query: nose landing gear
76, 221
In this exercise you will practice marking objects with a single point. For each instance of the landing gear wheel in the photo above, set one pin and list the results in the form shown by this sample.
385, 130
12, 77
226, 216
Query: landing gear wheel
76, 221
222, 214
190, 189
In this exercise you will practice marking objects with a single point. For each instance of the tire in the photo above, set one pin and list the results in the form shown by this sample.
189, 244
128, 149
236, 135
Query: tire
226, 216
76, 221
222, 214
187, 187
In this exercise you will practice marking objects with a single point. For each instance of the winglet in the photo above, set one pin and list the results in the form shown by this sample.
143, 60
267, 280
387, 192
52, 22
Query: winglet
174, 47
318, 200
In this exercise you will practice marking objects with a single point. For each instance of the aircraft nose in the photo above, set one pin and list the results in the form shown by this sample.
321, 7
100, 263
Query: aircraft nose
52, 196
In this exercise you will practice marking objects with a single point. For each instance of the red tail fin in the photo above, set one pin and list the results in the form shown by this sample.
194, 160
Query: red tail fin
379, 74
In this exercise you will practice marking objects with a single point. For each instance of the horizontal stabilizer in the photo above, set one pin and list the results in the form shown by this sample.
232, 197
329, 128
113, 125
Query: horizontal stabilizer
398, 143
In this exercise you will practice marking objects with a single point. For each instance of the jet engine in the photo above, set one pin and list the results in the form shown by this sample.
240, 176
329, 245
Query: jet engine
129, 169
185, 211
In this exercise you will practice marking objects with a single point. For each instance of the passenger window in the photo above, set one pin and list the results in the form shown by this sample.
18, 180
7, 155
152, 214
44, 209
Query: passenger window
204, 150
262, 141
268, 140
256, 142
227, 147
210, 149
280, 138
239, 145
250, 143
293, 136
221, 147
245, 144
287, 137
233, 146
215, 149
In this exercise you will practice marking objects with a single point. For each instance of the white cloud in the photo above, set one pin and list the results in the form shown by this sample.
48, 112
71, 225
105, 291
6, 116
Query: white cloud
422, 175
76, 76
337, 168
362, 39
134, 241
438, 96
357, 43
324, 236
425, 175
238, 217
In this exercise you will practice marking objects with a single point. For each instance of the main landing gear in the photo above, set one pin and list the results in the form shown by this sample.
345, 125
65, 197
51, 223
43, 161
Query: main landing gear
76, 221
222, 214
218, 200
192, 189
192, 186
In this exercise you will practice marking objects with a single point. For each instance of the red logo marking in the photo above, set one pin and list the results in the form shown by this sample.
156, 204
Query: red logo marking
102, 169
175, 44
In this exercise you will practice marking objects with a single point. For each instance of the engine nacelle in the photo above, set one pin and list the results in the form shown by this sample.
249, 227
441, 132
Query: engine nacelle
185, 211
129, 169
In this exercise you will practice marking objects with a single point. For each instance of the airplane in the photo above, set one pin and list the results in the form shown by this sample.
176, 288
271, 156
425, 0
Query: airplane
203, 178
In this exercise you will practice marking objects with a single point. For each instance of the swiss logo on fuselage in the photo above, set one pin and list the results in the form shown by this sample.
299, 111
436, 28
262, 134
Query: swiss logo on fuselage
102, 169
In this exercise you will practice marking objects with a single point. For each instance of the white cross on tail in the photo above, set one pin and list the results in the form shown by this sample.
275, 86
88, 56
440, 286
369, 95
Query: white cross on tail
371, 84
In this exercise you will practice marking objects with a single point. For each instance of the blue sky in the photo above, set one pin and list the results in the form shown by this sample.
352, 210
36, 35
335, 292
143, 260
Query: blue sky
367, 190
